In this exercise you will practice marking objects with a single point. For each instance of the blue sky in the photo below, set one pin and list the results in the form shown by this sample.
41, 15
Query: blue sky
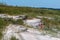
34, 3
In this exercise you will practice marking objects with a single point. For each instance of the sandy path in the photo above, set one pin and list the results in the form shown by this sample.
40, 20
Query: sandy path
30, 34
35, 35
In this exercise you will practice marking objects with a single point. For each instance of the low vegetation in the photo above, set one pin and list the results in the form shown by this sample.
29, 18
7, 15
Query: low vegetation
31, 12
3, 25
13, 38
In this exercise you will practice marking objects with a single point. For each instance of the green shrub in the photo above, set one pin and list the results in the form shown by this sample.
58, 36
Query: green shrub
13, 38
19, 21
3, 25
1, 35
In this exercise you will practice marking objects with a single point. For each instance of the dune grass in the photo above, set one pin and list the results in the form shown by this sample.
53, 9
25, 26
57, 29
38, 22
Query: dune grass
31, 12
13, 38
3, 25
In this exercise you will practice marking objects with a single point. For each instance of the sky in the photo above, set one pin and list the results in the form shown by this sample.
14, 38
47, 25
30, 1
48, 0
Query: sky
34, 3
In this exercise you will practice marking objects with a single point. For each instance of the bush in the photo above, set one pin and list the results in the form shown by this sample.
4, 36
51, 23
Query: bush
3, 23
13, 38
1, 35
19, 21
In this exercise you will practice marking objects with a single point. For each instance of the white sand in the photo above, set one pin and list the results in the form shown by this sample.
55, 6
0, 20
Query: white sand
30, 34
